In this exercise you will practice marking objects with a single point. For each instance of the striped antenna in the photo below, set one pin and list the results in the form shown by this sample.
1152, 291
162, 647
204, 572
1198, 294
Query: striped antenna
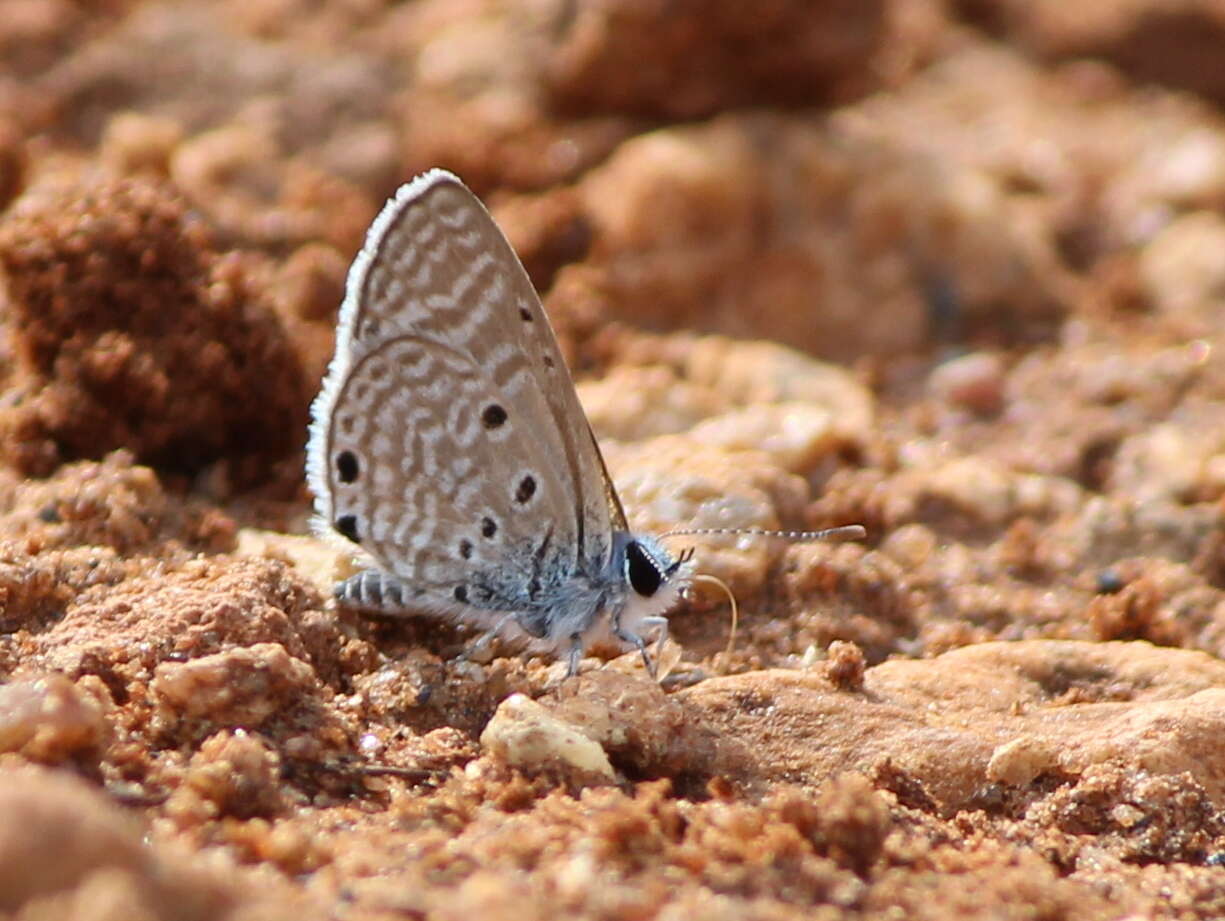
845, 532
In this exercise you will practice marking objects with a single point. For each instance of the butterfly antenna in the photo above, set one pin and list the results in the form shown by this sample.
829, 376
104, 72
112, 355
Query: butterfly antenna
731, 636
844, 532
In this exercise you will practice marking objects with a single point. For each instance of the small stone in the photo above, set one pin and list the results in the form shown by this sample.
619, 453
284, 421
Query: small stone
845, 665
238, 773
1182, 269
49, 719
1019, 762
239, 687
974, 382
527, 736
133, 142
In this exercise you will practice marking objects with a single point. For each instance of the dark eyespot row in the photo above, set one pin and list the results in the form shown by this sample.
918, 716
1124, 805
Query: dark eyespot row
489, 527
526, 489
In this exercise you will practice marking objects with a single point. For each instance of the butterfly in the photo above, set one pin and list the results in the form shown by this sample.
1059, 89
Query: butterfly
449, 445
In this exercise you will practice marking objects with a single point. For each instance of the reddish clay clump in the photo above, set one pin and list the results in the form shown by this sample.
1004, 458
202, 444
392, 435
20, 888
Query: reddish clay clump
131, 331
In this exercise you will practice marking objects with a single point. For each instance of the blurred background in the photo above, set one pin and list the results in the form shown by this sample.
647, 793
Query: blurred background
868, 182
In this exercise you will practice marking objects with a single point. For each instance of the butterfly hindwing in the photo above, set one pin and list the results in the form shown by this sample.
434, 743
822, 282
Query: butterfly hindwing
440, 479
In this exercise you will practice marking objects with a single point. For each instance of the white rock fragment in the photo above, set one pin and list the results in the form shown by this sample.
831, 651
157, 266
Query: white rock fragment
527, 736
1019, 762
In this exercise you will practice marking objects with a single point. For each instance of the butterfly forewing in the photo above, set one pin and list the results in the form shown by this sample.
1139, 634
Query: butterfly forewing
448, 414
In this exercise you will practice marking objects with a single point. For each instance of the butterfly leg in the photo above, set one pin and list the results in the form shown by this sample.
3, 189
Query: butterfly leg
374, 589
633, 639
476, 650
575, 656
662, 624
640, 644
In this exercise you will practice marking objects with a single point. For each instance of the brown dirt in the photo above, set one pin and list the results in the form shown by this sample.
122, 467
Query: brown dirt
949, 270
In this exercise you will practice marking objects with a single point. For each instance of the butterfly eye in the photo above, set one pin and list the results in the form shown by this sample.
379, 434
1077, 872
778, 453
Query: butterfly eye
641, 571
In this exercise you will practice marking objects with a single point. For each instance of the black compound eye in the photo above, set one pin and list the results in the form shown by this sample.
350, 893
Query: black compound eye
641, 570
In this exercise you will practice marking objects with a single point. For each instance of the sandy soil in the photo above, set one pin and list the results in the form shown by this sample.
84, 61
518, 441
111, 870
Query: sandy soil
952, 270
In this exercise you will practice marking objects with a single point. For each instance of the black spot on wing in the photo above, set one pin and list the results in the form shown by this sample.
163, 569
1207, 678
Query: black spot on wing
526, 489
347, 467
493, 416
347, 525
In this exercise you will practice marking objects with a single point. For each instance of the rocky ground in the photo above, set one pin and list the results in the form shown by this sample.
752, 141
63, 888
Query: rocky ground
951, 270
